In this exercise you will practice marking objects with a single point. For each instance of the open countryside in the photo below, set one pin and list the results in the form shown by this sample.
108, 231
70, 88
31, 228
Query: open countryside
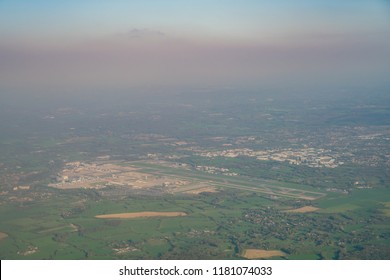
260, 185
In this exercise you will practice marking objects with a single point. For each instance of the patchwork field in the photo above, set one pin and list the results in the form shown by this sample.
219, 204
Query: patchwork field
210, 216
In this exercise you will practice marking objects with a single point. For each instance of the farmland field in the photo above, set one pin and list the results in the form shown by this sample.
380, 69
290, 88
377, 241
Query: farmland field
190, 130
246, 187
239, 214
261, 254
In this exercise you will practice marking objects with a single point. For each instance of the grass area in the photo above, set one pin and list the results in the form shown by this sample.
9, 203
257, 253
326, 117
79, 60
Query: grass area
340, 208
217, 225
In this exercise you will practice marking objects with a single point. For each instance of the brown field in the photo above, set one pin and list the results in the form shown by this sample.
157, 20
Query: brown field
262, 254
3, 235
305, 209
203, 190
135, 215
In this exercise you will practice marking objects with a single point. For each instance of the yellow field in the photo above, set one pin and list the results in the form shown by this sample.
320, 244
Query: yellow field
304, 209
387, 210
3, 235
262, 254
135, 215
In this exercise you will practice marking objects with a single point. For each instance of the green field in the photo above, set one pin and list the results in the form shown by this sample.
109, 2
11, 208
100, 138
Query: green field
244, 213
174, 138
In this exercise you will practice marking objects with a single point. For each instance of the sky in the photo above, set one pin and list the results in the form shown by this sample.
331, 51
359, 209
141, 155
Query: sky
92, 44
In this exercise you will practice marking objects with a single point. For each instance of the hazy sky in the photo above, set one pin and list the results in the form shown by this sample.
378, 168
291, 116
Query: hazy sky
98, 43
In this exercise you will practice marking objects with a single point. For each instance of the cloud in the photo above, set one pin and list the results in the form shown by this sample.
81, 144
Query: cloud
143, 57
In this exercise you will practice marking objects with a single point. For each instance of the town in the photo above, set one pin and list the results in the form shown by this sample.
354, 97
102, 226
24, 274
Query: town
306, 156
